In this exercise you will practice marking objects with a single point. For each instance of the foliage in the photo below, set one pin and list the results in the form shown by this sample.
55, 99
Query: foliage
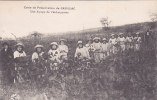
125, 76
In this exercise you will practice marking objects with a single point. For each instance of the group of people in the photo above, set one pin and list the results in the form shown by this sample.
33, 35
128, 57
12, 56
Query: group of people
12, 60
98, 49
95, 49
57, 52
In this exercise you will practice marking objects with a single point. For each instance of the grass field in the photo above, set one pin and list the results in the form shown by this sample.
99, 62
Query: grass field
124, 76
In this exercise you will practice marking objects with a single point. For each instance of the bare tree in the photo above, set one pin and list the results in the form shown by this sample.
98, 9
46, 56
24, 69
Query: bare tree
105, 22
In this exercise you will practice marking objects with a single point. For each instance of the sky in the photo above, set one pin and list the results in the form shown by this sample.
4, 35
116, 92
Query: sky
16, 18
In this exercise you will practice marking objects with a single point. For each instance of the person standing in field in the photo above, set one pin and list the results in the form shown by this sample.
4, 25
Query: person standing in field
63, 48
7, 63
129, 42
149, 43
38, 60
89, 46
20, 63
113, 42
37, 56
137, 46
105, 50
137, 41
97, 50
81, 52
121, 41
54, 53
19, 52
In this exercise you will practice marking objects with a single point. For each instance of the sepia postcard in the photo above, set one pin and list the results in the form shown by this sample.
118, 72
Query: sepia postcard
78, 50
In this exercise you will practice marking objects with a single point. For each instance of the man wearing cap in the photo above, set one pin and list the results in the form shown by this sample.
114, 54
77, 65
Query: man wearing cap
81, 52
97, 50
54, 53
63, 50
37, 56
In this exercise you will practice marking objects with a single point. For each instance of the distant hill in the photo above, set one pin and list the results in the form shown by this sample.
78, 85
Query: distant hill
88, 33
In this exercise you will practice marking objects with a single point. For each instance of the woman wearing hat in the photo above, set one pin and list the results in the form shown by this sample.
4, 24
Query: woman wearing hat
7, 62
19, 51
63, 50
37, 56
37, 59
121, 41
20, 63
97, 49
54, 53
81, 52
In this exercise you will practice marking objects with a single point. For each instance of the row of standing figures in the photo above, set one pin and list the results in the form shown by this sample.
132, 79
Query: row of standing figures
57, 61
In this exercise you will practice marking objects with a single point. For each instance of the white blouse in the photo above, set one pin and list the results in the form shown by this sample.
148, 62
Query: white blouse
83, 53
35, 55
18, 54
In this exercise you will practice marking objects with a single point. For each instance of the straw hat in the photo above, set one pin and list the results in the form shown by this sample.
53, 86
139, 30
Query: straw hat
54, 43
96, 38
112, 34
20, 44
79, 42
104, 39
120, 33
38, 46
138, 33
